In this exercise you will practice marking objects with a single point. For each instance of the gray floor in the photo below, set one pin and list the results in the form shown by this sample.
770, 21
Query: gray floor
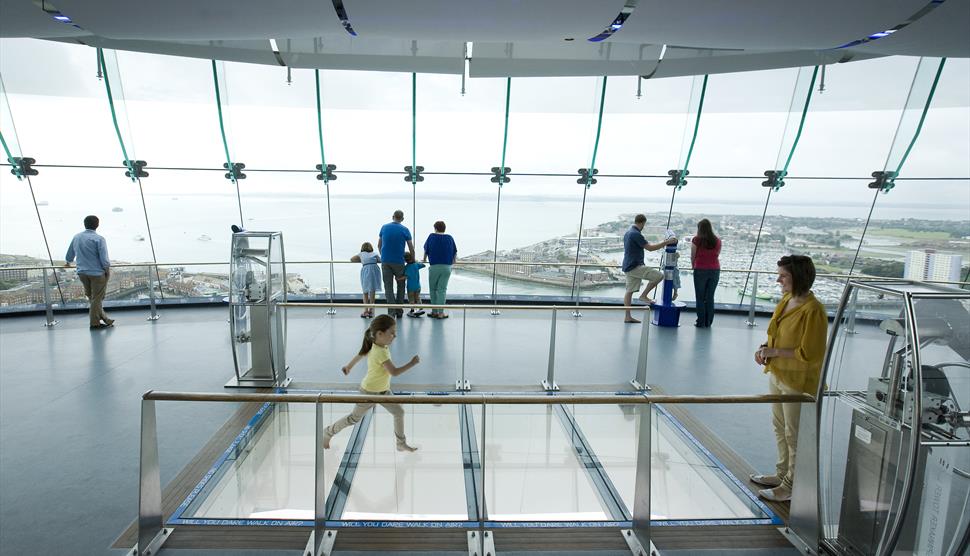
69, 397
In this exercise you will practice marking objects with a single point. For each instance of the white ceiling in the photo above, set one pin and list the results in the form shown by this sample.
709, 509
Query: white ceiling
510, 37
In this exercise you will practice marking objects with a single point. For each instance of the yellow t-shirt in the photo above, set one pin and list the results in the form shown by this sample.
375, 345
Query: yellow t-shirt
802, 329
377, 378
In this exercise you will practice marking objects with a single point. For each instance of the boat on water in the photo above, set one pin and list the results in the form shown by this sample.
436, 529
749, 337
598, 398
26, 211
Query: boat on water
138, 237
204, 237
759, 295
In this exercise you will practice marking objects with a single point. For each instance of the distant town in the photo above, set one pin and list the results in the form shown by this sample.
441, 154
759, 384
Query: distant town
910, 248
934, 250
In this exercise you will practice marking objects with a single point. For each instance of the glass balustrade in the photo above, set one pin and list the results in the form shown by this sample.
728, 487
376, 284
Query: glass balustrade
556, 464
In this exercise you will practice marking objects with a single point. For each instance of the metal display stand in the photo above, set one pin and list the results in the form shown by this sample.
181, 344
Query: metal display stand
257, 325
667, 312
893, 442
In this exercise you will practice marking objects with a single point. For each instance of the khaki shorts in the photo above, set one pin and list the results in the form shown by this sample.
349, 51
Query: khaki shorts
636, 275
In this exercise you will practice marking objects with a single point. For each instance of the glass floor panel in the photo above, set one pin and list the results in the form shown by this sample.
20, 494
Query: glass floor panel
531, 469
685, 482
425, 485
269, 473
541, 464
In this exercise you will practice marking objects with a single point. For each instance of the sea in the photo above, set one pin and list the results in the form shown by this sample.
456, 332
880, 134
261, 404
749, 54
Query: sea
189, 228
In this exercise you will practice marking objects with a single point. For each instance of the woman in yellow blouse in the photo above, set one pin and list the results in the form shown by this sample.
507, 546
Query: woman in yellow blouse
792, 357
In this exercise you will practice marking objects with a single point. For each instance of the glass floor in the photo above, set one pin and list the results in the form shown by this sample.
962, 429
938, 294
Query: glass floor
550, 465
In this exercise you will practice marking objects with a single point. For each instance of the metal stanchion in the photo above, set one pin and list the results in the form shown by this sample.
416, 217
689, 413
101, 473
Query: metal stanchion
321, 540
48, 307
549, 384
151, 297
151, 533
640, 380
754, 299
850, 325
480, 541
462, 384
638, 537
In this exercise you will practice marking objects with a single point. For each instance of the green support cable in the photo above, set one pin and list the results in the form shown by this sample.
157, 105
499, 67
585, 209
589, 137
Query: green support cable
783, 173
589, 181
801, 123
225, 145
498, 198
697, 123
505, 136
114, 116
222, 127
16, 167
414, 149
922, 118
132, 172
599, 127
326, 180
323, 156
414, 128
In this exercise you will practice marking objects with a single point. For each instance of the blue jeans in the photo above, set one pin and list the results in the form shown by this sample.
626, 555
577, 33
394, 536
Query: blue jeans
705, 282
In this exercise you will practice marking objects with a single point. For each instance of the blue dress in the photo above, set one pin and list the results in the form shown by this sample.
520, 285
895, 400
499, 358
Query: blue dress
370, 272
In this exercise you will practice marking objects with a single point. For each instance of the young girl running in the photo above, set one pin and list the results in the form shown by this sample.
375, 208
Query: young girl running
370, 275
377, 339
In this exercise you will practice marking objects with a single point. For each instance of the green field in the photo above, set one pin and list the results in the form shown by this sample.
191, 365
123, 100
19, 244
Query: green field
908, 234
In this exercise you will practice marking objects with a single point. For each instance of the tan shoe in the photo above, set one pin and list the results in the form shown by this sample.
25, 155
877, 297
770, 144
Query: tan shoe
777, 494
770, 481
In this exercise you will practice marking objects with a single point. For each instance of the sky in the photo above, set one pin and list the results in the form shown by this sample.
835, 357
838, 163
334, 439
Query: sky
166, 110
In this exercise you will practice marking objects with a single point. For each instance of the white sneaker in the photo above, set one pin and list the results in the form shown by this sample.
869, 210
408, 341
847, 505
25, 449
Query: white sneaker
765, 480
777, 494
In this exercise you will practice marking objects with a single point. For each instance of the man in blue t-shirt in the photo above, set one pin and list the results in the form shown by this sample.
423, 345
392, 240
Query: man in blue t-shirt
634, 245
393, 237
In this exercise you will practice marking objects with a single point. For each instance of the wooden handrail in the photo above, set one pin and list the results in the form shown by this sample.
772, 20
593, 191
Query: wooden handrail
482, 398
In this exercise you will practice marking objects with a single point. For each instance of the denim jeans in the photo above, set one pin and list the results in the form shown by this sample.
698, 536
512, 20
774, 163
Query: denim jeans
705, 282
438, 275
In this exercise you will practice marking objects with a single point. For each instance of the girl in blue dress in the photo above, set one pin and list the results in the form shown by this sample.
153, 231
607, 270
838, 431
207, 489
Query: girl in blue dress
370, 276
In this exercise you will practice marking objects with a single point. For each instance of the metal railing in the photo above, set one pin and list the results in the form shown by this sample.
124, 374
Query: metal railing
152, 532
153, 268
639, 381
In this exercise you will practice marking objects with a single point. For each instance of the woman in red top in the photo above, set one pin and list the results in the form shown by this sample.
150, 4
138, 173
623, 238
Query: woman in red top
704, 250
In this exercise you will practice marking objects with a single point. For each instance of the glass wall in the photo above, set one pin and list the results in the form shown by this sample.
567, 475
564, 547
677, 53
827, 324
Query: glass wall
372, 127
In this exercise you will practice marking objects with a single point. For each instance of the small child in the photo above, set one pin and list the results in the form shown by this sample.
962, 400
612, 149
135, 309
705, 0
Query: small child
370, 276
672, 259
377, 339
411, 272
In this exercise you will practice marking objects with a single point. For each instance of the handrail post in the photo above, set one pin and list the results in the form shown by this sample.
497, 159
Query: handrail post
754, 299
640, 380
151, 297
549, 384
638, 537
151, 533
48, 307
321, 540
850, 325
462, 385
480, 541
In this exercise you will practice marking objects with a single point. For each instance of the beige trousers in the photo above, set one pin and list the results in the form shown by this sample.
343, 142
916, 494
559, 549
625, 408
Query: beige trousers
362, 408
784, 419
94, 289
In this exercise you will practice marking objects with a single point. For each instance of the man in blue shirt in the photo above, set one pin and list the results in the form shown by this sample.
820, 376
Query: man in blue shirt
634, 245
93, 268
393, 237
